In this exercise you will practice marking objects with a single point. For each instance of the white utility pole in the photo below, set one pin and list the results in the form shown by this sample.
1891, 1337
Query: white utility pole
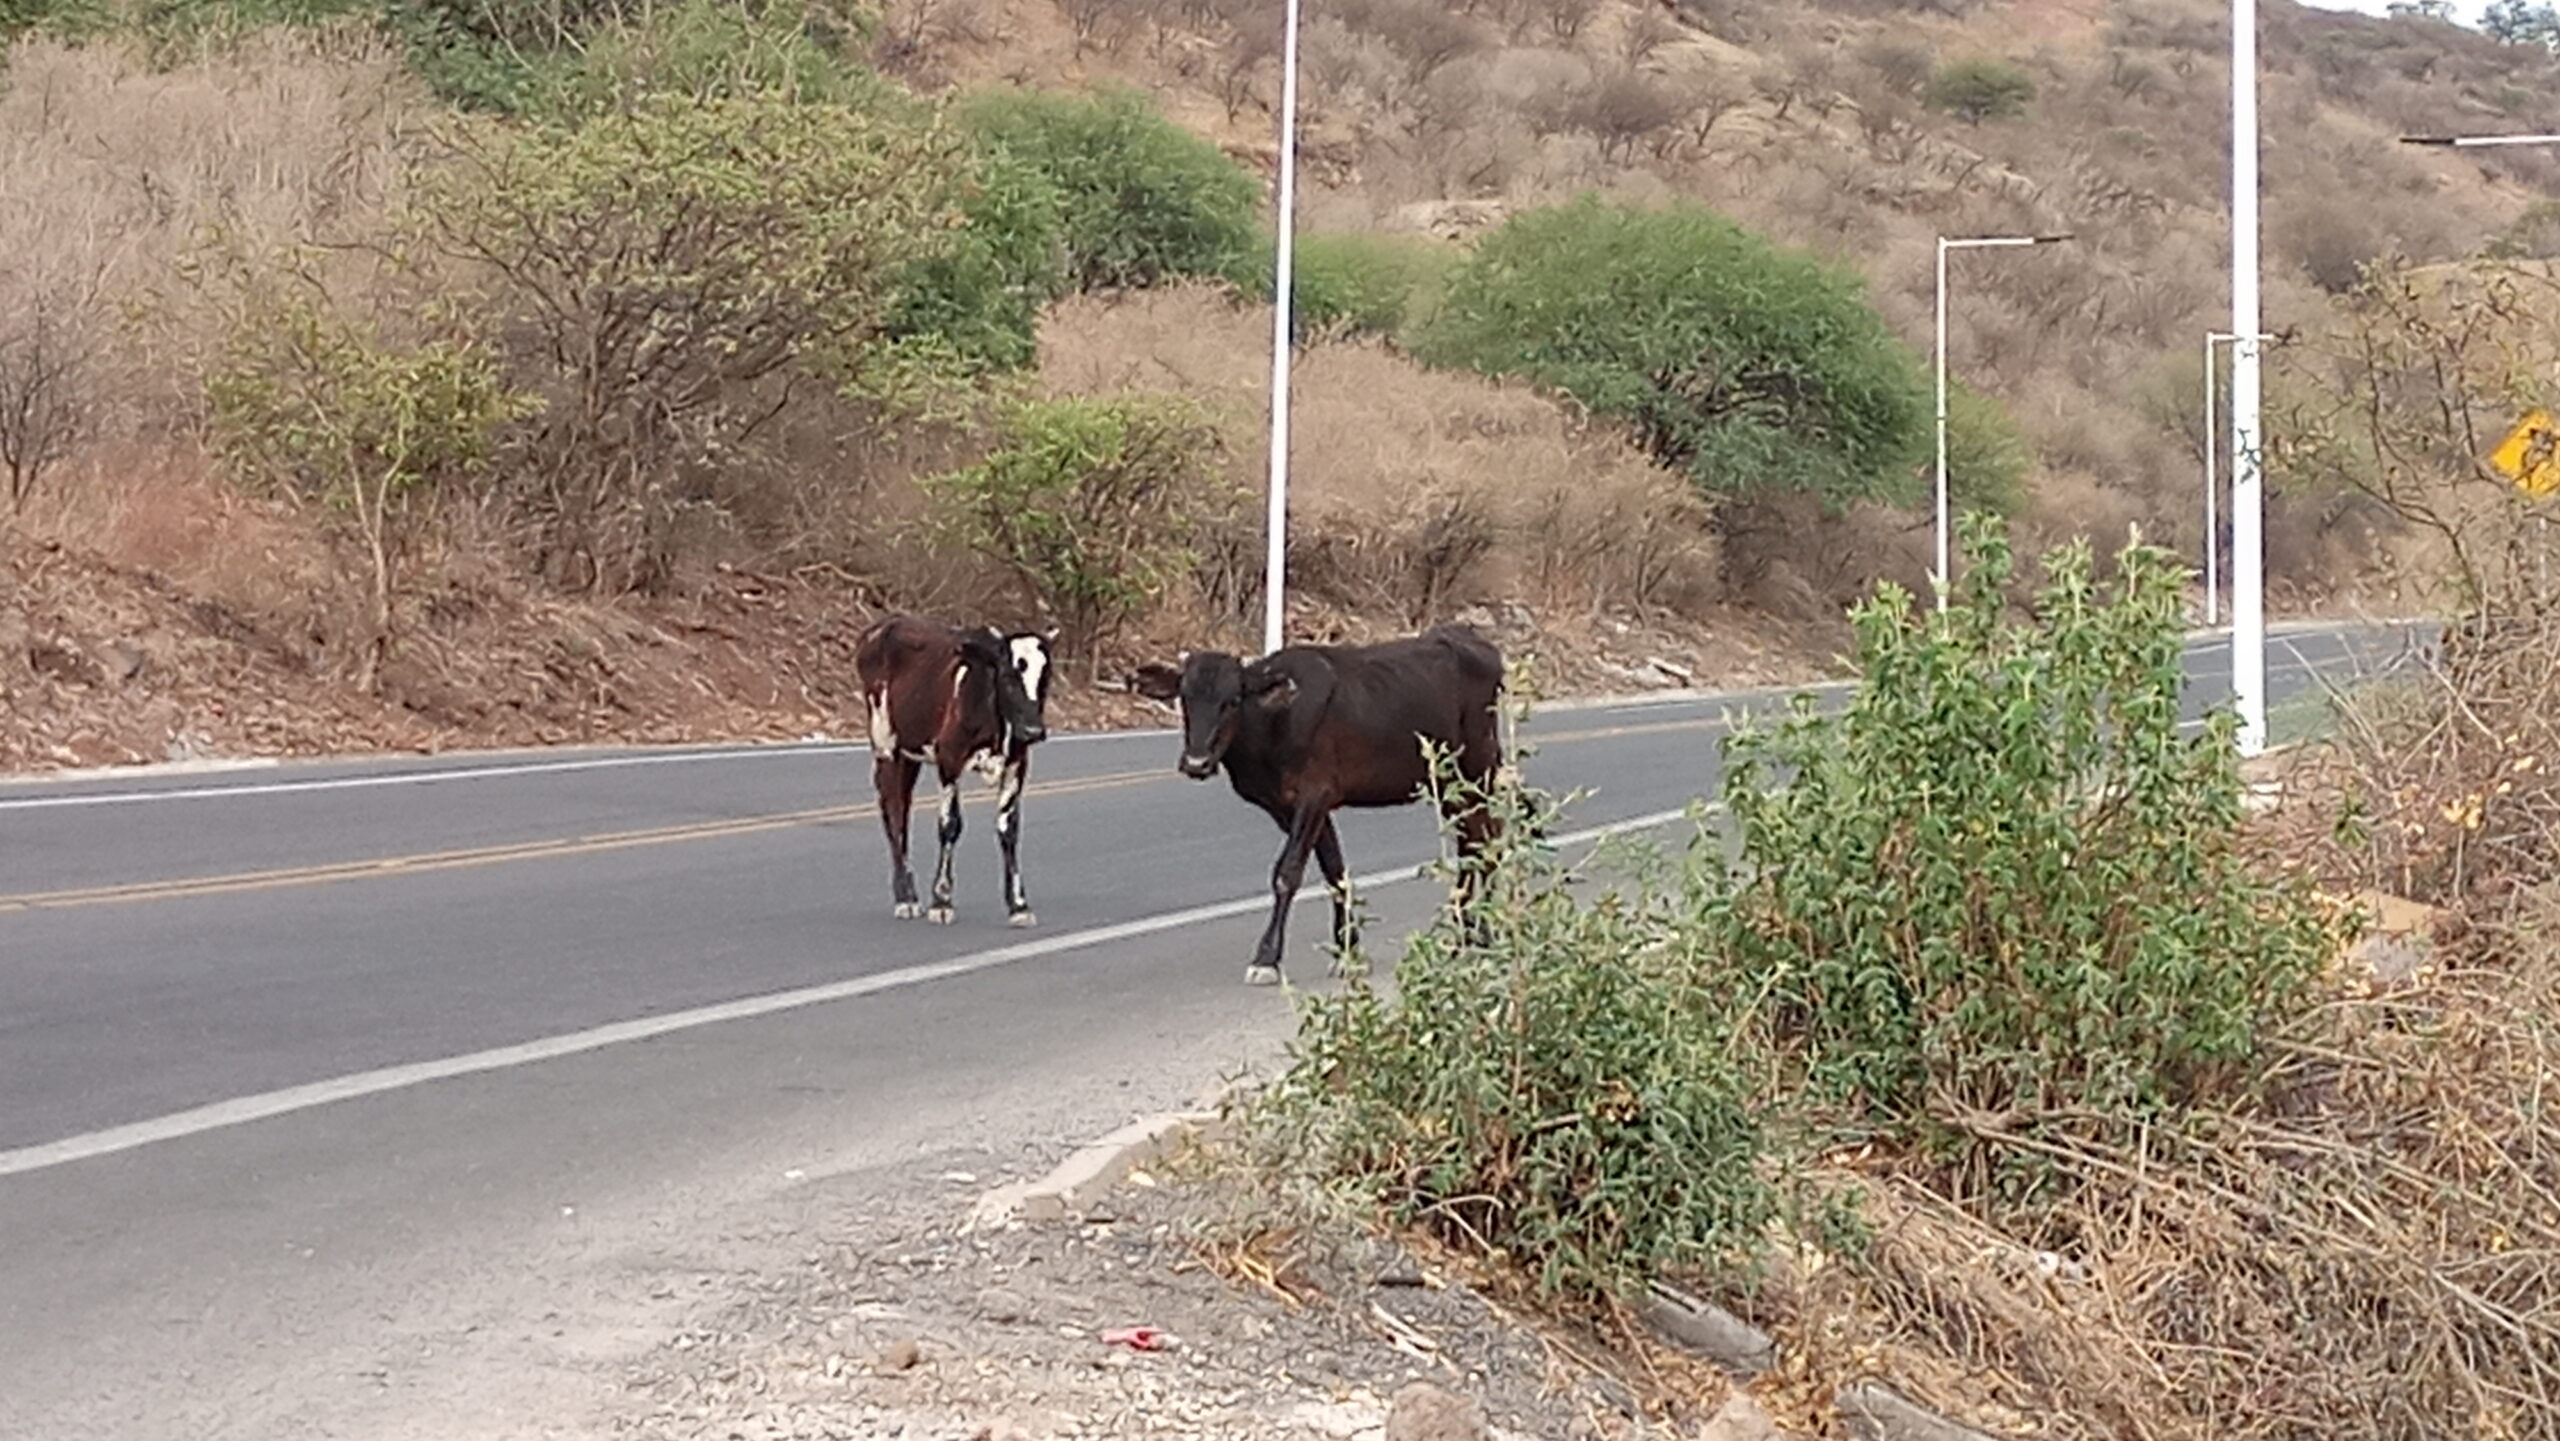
2212, 440
1275, 544
1945, 244
2212, 541
2248, 480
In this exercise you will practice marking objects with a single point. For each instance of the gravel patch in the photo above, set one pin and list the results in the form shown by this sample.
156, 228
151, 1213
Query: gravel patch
910, 1326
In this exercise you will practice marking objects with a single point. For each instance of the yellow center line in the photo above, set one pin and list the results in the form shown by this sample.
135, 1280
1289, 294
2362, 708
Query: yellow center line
600, 842
380, 866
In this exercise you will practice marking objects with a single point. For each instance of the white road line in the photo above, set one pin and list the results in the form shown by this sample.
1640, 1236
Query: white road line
241, 1110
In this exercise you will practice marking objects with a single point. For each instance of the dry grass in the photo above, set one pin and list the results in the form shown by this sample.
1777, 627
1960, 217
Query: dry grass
2373, 1253
1417, 493
111, 171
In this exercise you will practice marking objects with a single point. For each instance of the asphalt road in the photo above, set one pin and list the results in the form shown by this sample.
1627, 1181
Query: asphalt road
328, 1089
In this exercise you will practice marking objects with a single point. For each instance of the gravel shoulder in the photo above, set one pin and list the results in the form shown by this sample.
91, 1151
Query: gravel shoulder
905, 1323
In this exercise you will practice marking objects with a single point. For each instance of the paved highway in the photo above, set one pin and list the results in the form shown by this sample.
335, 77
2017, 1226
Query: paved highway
352, 1099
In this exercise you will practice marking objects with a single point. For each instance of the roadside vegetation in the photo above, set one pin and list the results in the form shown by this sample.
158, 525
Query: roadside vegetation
1987, 1040
1982, 1044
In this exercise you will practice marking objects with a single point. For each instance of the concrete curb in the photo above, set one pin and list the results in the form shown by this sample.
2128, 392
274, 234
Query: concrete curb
1073, 1186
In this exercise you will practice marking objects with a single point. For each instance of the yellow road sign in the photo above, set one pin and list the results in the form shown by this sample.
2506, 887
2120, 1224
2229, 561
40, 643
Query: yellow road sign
2530, 455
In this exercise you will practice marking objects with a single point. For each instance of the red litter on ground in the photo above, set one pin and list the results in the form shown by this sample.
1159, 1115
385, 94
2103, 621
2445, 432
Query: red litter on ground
1136, 1338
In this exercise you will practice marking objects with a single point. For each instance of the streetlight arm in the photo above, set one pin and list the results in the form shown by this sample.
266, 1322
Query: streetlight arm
2467, 141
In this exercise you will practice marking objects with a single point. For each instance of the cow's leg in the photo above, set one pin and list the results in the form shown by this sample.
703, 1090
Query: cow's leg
1337, 880
949, 834
1287, 874
893, 780
1009, 836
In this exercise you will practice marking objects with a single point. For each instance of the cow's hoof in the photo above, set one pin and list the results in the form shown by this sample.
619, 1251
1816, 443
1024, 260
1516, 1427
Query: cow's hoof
1262, 975
907, 910
939, 915
1021, 920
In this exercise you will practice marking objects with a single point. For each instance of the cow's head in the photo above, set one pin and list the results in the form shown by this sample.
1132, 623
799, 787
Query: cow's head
1214, 688
1020, 663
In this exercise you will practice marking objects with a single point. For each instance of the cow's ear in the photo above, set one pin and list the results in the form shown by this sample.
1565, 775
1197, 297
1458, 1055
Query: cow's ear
1273, 691
1156, 682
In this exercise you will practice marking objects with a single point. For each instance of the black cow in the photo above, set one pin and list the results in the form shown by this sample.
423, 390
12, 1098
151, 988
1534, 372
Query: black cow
961, 698
1310, 728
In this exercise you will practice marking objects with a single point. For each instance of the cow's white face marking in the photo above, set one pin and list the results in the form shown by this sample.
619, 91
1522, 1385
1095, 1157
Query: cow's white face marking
884, 736
1031, 659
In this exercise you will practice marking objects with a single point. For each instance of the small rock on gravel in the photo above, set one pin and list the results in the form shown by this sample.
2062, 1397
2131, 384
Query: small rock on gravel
902, 1355
1424, 1412
1741, 1419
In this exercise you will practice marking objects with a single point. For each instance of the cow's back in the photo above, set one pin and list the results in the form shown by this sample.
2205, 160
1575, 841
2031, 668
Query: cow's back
1431, 684
903, 662
1440, 685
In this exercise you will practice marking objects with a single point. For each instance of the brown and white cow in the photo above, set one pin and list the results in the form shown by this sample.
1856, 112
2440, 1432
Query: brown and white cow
1310, 728
963, 698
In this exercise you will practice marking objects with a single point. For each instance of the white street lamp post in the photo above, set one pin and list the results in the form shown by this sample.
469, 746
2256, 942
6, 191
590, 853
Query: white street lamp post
1945, 244
2248, 487
2212, 540
1275, 543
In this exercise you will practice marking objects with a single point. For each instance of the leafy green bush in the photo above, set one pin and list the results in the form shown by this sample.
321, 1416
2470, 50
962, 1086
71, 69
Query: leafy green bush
983, 295
669, 272
1347, 285
704, 49
2005, 883
1142, 200
1998, 898
1567, 1093
545, 56
1092, 502
1979, 89
1744, 365
372, 431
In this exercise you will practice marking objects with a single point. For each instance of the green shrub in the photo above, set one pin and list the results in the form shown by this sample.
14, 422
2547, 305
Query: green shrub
551, 56
1142, 200
1092, 503
983, 295
1347, 285
2004, 884
1979, 89
670, 273
1568, 1094
703, 49
1746, 366
372, 431
1997, 897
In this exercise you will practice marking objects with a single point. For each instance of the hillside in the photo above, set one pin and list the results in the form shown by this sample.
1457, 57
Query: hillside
173, 586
